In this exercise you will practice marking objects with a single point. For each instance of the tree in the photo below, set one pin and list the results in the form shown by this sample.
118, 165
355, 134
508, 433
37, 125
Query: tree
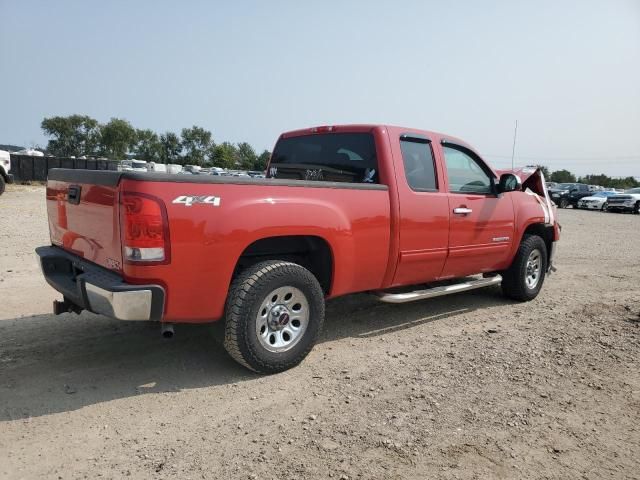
225, 155
196, 142
147, 146
246, 156
262, 161
117, 137
170, 148
75, 135
562, 176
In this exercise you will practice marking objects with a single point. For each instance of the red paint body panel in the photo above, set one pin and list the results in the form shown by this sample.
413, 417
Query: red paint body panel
206, 241
378, 238
90, 229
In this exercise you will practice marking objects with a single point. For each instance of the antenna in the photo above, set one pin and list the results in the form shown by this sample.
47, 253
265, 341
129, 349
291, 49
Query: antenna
513, 150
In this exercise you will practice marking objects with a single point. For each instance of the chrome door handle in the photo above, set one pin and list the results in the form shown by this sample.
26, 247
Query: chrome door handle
462, 210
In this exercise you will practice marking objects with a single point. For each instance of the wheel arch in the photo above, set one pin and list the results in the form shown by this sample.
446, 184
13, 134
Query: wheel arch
310, 251
541, 230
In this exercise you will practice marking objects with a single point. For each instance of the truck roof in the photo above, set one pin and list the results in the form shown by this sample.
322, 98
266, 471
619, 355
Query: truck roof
366, 127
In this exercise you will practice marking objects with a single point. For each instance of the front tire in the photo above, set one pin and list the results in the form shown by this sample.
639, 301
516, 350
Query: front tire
605, 207
636, 208
524, 278
2, 184
274, 314
564, 203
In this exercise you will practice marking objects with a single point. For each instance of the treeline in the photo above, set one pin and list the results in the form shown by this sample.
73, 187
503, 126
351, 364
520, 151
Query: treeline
565, 176
80, 135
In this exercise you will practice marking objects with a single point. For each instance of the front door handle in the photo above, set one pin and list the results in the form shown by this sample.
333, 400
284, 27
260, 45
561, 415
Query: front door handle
462, 211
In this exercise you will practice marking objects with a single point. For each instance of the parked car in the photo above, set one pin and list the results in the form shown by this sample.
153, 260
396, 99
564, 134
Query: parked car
597, 201
357, 208
5, 169
629, 201
133, 166
566, 194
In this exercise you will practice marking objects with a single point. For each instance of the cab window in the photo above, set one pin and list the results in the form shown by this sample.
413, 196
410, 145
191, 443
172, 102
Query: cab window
419, 167
465, 173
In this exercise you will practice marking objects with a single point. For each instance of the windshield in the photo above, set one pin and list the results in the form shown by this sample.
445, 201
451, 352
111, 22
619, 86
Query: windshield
333, 157
633, 190
565, 186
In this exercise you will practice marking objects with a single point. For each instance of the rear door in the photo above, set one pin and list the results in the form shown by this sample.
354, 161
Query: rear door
424, 210
482, 222
82, 207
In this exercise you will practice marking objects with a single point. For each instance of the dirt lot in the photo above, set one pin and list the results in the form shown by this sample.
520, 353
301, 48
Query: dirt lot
469, 387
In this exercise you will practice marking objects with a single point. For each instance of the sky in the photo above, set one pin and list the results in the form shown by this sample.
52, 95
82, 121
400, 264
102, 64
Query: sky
567, 71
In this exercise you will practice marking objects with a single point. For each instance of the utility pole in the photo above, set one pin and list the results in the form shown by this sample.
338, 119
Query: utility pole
513, 150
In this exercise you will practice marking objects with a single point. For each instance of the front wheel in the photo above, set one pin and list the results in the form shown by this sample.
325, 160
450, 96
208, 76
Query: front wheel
524, 278
2, 184
564, 203
605, 206
636, 208
274, 314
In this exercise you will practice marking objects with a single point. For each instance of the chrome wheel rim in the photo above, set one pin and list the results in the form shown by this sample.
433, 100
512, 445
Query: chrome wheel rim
282, 319
534, 266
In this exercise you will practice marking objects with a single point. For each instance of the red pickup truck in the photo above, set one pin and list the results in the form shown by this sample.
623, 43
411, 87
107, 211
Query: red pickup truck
402, 213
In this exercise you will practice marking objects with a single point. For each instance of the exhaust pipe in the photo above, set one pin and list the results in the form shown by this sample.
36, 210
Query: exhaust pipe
166, 330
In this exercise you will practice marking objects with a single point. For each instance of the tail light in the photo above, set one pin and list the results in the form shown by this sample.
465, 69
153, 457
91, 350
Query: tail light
144, 229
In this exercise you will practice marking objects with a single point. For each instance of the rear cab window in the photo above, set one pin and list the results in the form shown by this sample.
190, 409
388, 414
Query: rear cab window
331, 157
419, 163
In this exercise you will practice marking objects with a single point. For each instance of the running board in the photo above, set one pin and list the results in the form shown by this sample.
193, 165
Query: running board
438, 291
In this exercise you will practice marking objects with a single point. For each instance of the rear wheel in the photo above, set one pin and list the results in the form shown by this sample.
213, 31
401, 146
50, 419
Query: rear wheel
274, 314
524, 278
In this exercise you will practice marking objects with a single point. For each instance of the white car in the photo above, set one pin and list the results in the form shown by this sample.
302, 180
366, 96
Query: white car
597, 201
5, 168
629, 201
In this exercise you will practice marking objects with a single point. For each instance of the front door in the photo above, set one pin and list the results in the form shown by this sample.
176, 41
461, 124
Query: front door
481, 228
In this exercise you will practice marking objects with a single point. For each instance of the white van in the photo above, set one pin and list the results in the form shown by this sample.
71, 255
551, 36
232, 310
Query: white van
5, 168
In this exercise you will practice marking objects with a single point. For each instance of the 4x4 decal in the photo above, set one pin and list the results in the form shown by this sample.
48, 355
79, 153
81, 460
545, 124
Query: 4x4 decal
188, 200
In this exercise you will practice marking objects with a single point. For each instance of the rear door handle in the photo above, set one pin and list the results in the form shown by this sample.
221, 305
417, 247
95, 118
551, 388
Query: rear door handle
462, 211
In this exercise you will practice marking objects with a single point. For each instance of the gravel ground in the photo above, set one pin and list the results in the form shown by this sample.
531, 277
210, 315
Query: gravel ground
469, 387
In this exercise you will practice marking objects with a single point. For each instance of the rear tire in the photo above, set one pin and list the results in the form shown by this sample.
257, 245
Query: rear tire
274, 314
2, 184
524, 278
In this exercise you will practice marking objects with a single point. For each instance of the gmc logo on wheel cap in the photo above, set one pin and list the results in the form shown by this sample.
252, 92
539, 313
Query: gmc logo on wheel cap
188, 200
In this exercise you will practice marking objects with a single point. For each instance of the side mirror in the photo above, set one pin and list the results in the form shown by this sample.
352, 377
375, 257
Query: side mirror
509, 183
573, 190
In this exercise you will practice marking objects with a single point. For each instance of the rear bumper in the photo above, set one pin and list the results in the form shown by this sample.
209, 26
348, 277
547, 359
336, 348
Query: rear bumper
99, 290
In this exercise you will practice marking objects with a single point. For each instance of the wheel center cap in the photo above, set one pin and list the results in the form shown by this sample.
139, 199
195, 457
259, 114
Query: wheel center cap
279, 317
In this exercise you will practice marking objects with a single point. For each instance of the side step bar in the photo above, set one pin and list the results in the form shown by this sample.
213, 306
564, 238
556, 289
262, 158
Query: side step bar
438, 291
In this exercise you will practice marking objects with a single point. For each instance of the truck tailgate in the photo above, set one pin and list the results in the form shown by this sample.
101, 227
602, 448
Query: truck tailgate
83, 216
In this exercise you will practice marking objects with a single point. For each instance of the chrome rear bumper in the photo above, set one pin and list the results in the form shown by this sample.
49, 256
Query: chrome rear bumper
90, 287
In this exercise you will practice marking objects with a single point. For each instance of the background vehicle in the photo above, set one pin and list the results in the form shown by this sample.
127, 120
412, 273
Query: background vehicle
566, 194
597, 201
133, 166
157, 167
356, 208
629, 201
5, 168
